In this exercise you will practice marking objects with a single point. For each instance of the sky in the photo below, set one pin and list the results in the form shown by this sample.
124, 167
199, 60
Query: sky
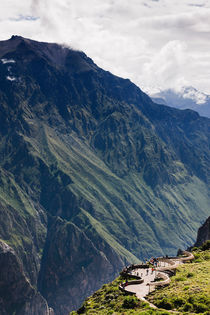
157, 44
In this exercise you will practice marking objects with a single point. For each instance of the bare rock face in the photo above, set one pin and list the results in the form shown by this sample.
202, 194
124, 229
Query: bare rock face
203, 233
16, 293
67, 276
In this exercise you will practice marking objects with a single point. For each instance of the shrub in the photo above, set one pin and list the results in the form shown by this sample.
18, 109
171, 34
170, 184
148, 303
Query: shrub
130, 302
200, 307
164, 303
187, 307
81, 310
179, 302
206, 245
191, 299
190, 275
194, 249
186, 288
180, 279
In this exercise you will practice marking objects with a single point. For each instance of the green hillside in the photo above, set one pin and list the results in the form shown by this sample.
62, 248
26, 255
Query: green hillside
188, 293
189, 290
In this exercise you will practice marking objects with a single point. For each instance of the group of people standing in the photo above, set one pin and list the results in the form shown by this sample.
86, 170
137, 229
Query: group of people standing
153, 261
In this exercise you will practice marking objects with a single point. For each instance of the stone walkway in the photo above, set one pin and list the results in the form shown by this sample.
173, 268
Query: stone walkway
148, 285
144, 288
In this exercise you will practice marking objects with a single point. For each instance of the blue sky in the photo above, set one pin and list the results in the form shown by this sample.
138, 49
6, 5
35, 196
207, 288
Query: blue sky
157, 44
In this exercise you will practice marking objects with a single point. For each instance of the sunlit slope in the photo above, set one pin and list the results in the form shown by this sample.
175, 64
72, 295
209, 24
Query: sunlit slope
125, 211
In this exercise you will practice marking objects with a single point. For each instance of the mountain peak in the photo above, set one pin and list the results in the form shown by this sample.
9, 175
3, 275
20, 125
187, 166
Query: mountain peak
56, 54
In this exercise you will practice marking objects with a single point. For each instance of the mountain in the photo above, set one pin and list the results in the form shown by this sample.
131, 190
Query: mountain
94, 175
188, 97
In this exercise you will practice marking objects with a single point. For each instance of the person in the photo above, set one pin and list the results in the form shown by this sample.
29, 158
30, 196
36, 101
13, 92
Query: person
147, 271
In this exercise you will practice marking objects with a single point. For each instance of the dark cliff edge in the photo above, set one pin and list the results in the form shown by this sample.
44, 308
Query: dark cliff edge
93, 176
203, 233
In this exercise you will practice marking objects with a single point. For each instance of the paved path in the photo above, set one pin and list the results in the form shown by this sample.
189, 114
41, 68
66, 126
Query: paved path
143, 289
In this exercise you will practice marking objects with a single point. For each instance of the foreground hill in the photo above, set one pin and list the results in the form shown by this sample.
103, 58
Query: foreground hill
93, 173
188, 293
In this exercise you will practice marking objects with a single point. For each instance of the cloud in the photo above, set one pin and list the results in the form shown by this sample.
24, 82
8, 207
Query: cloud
155, 43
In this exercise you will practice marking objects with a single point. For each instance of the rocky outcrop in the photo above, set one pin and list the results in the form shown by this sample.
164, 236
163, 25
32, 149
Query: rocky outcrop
203, 233
16, 293
67, 276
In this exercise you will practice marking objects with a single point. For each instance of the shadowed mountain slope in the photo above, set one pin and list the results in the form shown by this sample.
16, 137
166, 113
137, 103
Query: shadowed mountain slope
93, 173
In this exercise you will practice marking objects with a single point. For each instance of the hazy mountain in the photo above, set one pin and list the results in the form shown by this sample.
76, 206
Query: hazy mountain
94, 175
188, 97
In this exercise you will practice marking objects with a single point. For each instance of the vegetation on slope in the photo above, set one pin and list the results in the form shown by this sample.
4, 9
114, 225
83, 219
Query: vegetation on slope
189, 290
110, 300
188, 293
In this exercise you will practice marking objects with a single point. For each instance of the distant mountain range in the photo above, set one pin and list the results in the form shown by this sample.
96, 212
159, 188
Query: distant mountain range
188, 97
94, 176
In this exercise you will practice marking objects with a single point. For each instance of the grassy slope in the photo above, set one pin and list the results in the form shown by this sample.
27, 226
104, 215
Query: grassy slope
188, 292
110, 300
126, 212
22, 224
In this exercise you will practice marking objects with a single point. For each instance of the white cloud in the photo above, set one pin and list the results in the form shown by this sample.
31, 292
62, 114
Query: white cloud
155, 43
198, 97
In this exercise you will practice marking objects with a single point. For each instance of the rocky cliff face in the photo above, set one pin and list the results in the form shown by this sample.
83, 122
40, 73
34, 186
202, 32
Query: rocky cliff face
94, 175
16, 293
203, 233
64, 274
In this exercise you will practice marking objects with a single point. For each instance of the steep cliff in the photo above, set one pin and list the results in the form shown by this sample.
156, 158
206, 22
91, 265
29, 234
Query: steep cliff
94, 175
16, 293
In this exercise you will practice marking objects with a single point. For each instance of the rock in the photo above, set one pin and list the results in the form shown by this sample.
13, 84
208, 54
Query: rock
67, 275
203, 233
16, 293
